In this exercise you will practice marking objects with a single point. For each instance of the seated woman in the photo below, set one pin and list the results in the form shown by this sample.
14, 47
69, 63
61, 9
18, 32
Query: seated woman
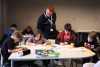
28, 30
37, 38
94, 64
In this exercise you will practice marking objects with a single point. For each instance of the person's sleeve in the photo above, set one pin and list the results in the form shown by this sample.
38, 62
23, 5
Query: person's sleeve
47, 42
9, 32
11, 44
40, 23
31, 32
23, 32
55, 16
29, 41
79, 44
73, 39
57, 41
96, 45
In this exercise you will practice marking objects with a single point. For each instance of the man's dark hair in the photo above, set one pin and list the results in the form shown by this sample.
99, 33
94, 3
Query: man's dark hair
67, 27
13, 25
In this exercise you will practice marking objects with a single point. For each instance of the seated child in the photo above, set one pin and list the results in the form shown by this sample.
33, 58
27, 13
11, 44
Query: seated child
90, 43
11, 30
9, 47
28, 30
67, 36
94, 64
37, 38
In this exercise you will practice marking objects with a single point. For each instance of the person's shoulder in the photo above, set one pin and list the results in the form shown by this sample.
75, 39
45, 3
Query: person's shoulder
72, 31
9, 38
54, 12
42, 16
62, 32
9, 30
25, 29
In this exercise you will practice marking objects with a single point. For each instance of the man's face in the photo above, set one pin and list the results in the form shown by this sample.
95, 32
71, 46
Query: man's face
37, 37
48, 13
90, 39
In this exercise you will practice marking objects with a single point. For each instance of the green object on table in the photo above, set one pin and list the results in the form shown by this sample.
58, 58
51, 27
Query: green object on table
54, 54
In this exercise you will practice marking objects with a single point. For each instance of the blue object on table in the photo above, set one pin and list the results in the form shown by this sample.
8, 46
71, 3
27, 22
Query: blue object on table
53, 46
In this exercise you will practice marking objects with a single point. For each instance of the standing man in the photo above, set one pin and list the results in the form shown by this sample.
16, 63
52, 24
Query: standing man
46, 22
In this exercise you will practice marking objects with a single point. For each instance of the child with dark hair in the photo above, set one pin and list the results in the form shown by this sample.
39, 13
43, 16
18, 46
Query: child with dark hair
28, 30
67, 36
90, 43
11, 30
94, 64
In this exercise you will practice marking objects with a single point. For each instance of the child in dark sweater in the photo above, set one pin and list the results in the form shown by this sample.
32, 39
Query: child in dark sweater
28, 30
89, 43
9, 46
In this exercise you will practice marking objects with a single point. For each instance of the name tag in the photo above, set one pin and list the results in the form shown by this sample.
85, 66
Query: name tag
51, 29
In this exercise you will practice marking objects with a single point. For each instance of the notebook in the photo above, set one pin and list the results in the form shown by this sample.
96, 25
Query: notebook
46, 53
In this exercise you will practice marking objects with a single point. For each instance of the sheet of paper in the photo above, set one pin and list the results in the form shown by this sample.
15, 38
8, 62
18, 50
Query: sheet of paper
39, 47
76, 49
63, 45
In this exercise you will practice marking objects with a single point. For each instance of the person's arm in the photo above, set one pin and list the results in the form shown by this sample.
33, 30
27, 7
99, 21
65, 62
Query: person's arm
57, 41
46, 42
40, 22
80, 44
14, 50
23, 32
24, 48
30, 41
31, 32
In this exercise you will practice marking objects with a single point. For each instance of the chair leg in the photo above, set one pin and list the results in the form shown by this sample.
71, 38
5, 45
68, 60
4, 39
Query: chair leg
1, 60
71, 64
76, 64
